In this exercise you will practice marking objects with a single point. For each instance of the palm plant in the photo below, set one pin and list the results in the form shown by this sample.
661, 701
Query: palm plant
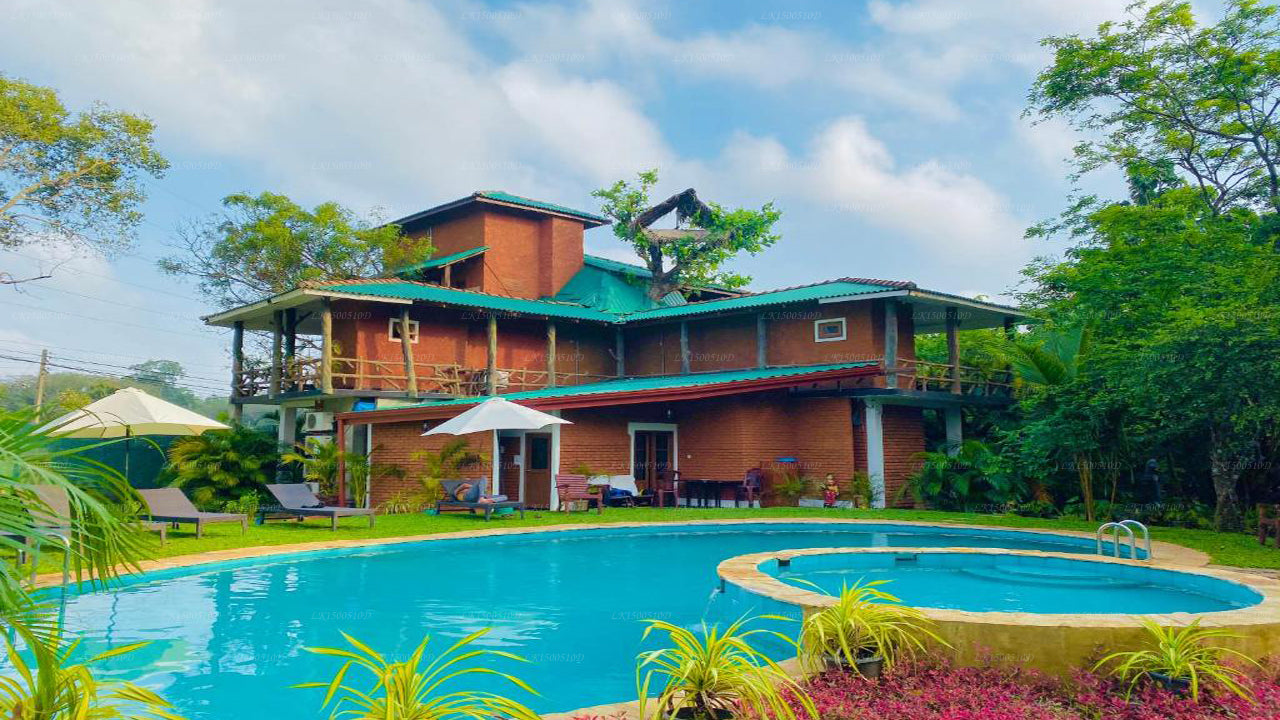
408, 691
972, 474
319, 461
1184, 653
219, 467
55, 688
865, 622
711, 674
444, 464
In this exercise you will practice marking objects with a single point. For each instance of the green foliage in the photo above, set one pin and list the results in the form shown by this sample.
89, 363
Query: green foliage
714, 671
443, 464
221, 466
67, 391
319, 461
247, 504
686, 260
401, 503
864, 622
77, 177
268, 244
1180, 652
406, 690
975, 477
792, 485
43, 683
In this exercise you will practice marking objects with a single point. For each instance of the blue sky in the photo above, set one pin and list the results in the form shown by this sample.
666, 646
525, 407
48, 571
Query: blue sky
888, 132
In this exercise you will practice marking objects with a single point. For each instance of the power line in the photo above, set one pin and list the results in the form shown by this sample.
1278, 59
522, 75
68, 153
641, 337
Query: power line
123, 367
107, 320
90, 371
90, 273
90, 351
97, 298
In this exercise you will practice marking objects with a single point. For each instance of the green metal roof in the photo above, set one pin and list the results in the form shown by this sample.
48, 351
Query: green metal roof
640, 384
600, 285
507, 197
440, 261
835, 288
616, 266
466, 298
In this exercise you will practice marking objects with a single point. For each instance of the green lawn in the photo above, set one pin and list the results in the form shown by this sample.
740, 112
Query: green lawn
1227, 549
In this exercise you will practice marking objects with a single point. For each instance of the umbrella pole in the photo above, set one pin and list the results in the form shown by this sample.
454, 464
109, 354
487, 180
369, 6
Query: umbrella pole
497, 460
128, 437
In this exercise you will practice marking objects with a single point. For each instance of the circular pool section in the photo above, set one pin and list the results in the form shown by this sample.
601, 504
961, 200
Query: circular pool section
572, 601
981, 582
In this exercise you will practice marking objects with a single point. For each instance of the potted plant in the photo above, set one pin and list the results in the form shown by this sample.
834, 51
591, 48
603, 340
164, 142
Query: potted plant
712, 674
866, 629
791, 486
1179, 660
859, 491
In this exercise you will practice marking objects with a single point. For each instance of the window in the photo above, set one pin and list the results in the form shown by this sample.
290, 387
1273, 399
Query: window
393, 330
828, 330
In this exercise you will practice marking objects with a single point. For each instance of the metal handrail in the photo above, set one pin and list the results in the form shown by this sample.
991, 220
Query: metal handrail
1115, 528
1146, 534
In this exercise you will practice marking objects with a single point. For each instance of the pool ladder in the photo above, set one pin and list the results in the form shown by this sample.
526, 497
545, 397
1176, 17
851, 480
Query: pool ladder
1127, 526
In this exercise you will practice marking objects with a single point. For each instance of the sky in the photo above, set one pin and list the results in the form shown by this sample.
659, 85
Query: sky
889, 132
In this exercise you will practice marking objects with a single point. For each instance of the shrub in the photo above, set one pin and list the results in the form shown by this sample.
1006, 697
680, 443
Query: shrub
1179, 652
222, 466
864, 622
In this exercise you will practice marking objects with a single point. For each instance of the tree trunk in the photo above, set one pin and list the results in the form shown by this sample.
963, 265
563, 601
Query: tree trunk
1224, 468
1085, 469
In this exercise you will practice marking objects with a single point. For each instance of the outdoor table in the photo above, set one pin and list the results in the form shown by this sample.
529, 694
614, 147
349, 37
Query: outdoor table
707, 489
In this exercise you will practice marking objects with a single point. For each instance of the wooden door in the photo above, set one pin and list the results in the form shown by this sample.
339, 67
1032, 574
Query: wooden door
508, 468
537, 470
654, 452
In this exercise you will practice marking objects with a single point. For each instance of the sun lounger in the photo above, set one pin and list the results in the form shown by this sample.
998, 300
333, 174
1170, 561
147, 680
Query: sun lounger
296, 499
171, 505
449, 501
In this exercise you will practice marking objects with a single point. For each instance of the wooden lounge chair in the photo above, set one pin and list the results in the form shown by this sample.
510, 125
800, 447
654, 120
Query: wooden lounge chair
296, 499
576, 488
171, 505
448, 501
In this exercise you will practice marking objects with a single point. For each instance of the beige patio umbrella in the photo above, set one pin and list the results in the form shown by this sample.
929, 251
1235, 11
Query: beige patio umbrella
496, 414
129, 412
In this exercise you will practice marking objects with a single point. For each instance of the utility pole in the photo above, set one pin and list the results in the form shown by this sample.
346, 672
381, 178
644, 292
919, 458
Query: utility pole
40, 378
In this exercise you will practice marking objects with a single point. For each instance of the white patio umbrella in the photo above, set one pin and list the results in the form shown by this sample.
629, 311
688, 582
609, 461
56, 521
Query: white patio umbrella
496, 414
129, 412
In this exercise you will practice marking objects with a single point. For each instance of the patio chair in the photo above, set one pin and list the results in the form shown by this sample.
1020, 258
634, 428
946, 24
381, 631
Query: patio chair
750, 488
575, 488
1268, 523
477, 501
296, 499
54, 519
664, 487
172, 506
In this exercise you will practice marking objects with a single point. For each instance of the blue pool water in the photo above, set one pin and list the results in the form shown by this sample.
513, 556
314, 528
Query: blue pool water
1002, 583
226, 639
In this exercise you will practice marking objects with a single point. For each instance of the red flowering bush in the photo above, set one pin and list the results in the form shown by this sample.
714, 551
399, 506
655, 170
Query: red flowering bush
1104, 697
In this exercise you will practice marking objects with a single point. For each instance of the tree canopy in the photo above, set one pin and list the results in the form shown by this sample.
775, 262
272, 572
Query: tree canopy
70, 177
267, 244
691, 256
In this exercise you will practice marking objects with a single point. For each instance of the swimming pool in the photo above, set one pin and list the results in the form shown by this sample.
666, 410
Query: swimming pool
230, 635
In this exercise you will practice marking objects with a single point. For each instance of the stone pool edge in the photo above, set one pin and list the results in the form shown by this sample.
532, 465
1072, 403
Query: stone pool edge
1163, 551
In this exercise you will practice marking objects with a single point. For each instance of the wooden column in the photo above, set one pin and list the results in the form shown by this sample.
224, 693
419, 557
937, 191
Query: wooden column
551, 353
326, 346
684, 347
620, 351
340, 437
237, 367
953, 349
448, 276
277, 323
290, 348
491, 360
762, 341
891, 343
406, 350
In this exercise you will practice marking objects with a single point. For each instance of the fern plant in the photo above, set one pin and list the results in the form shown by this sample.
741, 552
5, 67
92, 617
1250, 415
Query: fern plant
864, 622
1180, 653
408, 690
218, 467
714, 672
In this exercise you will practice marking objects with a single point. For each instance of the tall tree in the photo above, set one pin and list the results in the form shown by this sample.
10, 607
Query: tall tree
267, 244
706, 234
1158, 89
71, 177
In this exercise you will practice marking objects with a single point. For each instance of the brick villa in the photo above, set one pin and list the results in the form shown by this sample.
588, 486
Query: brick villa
709, 382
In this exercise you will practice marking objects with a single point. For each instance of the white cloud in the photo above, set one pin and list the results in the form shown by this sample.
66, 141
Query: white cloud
1051, 142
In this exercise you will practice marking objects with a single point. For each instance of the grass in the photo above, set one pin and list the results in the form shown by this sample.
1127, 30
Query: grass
1236, 549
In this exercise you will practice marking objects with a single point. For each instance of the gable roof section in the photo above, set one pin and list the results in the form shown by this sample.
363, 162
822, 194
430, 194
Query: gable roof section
406, 290
802, 293
440, 261
501, 197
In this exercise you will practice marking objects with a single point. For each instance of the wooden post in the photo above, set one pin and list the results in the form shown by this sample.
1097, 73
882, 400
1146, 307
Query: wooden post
277, 320
953, 350
890, 343
551, 353
340, 437
406, 349
762, 341
290, 348
620, 351
42, 378
491, 361
326, 347
448, 276
684, 347
237, 368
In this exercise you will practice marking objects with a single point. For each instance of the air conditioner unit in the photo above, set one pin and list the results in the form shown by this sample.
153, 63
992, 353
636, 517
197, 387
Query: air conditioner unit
318, 422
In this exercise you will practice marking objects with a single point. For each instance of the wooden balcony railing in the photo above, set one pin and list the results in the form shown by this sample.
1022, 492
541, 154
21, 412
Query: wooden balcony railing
923, 375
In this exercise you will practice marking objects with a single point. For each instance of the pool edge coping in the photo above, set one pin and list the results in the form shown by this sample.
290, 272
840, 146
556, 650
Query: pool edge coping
1184, 556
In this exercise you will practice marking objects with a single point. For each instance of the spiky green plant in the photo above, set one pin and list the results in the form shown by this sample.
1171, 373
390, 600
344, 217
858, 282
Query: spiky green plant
409, 691
223, 466
54, 688
443, 464
864, 622
1180, 652
714, 671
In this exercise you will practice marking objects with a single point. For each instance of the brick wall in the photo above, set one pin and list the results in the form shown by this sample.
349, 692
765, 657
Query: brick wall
396, 443
903, 441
